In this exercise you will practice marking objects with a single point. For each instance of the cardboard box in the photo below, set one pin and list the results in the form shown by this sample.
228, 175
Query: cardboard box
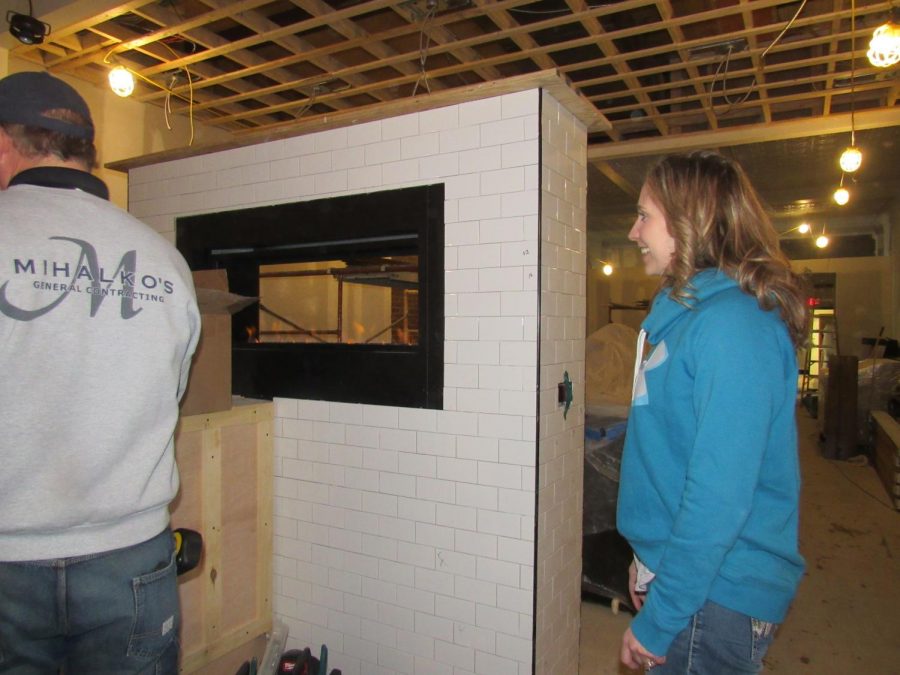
209, 385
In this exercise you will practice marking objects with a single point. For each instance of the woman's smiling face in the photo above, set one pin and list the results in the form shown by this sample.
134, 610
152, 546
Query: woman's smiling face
651, 233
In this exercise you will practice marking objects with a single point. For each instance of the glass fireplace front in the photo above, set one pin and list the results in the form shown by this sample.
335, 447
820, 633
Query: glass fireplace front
350, 295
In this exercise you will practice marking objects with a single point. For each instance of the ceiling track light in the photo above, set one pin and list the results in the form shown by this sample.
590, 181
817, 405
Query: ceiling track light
26, 28
884, 48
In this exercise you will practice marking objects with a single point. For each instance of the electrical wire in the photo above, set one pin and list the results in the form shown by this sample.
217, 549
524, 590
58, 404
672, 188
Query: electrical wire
723, 66
863, 462
424, 46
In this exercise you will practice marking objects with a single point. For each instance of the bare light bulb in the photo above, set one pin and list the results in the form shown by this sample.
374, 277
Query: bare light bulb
841, 196
607, 269
803, 228
851, 159
821, 241
884, 48
121, 81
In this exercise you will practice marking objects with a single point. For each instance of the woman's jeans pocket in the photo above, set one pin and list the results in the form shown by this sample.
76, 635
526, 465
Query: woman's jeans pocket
156, 615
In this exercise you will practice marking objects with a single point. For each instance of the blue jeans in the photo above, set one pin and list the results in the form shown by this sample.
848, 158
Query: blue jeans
111, 613
718, 641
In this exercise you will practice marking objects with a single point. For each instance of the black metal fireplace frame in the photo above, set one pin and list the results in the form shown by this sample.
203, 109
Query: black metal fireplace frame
389, 222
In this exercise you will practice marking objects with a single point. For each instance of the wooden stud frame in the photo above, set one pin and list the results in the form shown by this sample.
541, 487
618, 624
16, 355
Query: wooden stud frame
225, 464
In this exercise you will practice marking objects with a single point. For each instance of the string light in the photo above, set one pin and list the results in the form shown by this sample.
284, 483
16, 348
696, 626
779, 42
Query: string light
884, 48
841, 196
851, 158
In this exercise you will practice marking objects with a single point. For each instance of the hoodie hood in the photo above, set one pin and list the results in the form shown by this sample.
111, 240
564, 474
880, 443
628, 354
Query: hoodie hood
666, 311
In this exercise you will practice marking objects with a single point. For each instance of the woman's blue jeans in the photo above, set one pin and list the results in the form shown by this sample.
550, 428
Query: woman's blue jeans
718, 641
111, 613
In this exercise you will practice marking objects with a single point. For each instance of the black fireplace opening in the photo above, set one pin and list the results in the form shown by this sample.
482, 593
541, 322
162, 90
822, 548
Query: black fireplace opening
350, 295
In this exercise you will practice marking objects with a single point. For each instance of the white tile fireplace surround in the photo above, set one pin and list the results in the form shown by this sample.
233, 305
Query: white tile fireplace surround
435, 541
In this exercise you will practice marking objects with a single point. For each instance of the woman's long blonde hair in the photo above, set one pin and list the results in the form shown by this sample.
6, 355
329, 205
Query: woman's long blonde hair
718, 221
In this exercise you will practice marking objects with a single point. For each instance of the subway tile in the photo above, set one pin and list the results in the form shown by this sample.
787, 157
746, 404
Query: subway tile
478, 159
419, 510
476, 544
422, 145
441, 444
482, 207
499, 426
478, 304
516, 550
439, 119
503, 524
400, 126
437, 582
503, 131
435, 490
417, 465
498, 230
481, 496
331, 139
396, 484
383, 152
503, 181
498, 571
479, 112
461, 281
478, 400
364, 134
364, 177
500, 279
316, 163
438, 166
331, 183
455, 140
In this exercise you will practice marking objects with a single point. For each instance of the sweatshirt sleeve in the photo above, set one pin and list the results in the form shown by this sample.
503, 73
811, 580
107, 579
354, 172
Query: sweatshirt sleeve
738, 378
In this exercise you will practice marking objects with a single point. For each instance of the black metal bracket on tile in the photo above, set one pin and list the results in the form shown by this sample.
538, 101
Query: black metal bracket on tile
564, 393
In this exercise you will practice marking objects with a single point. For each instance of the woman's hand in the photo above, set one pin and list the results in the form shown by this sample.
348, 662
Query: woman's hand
637, 598
634, 656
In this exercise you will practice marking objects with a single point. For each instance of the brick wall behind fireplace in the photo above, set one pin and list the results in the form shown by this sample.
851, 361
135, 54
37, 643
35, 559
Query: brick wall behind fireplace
405, 538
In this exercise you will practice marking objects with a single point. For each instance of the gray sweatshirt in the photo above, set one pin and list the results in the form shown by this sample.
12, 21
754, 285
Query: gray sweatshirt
98, 323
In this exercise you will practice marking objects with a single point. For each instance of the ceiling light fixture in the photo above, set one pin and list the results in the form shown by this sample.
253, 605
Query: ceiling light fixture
884, 48
803, 228
851, 158
121, 81
822, 240
26, 28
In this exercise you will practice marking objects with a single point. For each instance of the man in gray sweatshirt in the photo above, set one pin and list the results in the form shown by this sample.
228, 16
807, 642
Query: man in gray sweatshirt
98, 323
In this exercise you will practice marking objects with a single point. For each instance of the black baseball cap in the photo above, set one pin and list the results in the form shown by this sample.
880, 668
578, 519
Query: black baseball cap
26, 97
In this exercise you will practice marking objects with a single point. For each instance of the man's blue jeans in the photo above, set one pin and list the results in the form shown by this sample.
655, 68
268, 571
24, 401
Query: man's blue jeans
112, 613
718, 641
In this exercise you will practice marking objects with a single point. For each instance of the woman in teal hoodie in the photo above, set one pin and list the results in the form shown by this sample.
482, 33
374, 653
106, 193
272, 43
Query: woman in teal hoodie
710, 479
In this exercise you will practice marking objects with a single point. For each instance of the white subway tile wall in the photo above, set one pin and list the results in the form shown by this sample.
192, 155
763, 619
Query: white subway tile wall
561, 442
404, 538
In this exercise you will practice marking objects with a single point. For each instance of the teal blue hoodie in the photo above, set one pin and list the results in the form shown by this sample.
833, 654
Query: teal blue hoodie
710, 478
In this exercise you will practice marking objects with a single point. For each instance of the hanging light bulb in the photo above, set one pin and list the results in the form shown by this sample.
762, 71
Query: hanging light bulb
121, 81
841, 196
884, 48
851, 158
607, 269
822, 240
803, 228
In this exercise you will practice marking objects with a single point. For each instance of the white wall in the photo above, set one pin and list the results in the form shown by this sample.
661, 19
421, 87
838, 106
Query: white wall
561, 445
404, 538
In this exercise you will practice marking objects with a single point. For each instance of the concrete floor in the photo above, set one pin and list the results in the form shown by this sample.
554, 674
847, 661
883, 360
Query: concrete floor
845, 619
